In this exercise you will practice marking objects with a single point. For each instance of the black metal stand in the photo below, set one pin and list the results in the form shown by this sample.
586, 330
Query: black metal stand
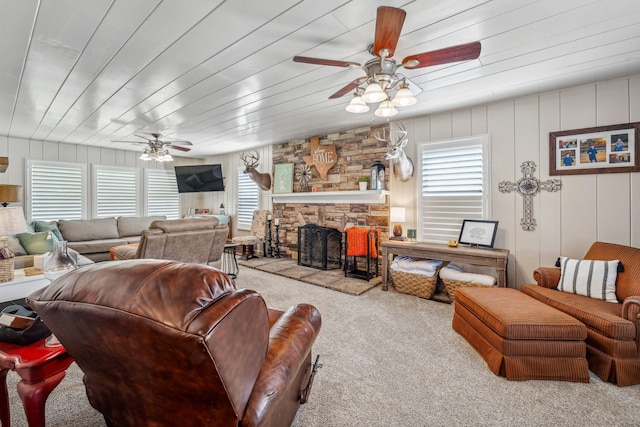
277, 251
269, 253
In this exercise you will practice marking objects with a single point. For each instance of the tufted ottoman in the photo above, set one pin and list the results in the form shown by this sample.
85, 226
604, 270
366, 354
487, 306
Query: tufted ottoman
519, 337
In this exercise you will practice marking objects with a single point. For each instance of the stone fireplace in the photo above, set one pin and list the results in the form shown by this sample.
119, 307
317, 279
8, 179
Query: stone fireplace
356, 151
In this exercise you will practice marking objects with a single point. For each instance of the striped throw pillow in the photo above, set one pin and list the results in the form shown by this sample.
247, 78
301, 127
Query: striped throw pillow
595, 279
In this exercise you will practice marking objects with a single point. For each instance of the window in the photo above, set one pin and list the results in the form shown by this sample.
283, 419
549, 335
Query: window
56, 190
161, 193
116, 191
247, 200
455, 184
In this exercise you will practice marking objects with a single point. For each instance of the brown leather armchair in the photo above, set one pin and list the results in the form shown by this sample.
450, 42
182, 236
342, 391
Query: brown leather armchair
165, 343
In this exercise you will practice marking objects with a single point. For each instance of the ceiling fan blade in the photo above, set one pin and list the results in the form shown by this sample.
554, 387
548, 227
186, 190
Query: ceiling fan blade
130, 142
177, 147
461, 52
178, 142
320, 61
388, 27
348, 88
143, 137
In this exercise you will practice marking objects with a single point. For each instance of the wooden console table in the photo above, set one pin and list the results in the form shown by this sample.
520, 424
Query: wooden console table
476, 256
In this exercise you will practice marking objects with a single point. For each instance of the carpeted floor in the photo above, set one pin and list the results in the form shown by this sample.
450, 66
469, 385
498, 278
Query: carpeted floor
332, 279
392, 359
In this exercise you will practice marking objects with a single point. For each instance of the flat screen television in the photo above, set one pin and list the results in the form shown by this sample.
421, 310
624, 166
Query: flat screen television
199, 178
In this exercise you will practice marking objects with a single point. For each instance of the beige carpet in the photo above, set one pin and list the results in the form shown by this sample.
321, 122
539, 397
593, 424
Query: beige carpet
392, 359
332, 279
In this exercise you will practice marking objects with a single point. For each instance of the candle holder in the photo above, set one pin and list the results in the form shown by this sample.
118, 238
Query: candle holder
277, 251
269, 253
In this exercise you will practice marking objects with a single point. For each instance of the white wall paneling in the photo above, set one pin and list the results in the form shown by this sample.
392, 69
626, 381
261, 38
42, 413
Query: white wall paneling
589, 207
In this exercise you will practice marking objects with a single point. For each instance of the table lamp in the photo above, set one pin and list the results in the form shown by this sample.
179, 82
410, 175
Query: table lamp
9, 194
12, 221
397, 216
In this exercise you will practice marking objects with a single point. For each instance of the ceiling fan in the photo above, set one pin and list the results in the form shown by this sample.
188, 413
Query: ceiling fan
157, 148
381, 78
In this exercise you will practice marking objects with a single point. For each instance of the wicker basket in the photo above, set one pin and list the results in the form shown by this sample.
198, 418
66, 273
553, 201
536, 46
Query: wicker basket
452, 285
414, 284
6, 270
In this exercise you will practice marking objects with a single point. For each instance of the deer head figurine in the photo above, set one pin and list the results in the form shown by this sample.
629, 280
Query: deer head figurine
250, 164
396, 140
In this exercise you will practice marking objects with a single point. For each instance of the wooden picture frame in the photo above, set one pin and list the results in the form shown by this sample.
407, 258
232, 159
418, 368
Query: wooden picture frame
602, 149
478, 233
283, 178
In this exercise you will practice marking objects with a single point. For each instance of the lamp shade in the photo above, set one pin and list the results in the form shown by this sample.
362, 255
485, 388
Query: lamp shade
374, 93
397, 214
12, 221
357, 105
9, 193
386, 109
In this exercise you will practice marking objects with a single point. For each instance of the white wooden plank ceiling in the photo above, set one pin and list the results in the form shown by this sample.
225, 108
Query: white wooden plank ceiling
220, 73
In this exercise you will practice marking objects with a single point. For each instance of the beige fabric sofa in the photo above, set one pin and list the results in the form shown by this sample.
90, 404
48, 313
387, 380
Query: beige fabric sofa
195, 240
93, 238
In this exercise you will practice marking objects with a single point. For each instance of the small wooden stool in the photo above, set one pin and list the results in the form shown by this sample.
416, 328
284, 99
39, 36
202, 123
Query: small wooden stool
520, 337
41, 366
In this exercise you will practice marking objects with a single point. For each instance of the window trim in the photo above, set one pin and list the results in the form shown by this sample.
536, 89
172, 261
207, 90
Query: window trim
485, 142
84, 201
95, 168
144, 193
243, 225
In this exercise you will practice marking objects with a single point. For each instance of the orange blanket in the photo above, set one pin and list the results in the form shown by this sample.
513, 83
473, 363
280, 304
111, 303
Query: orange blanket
357, 241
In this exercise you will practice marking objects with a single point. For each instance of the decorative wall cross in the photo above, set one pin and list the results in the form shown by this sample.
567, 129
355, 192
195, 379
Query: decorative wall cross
528, 186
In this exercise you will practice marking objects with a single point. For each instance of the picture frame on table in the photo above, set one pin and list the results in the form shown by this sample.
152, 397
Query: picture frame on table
283, 178
602, 149
478, 233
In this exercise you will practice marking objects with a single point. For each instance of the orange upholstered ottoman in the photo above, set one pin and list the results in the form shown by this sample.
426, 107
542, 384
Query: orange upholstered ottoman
520, 337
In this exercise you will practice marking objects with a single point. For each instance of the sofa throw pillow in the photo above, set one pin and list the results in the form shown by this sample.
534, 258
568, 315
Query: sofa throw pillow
47, 226
36, 243
15, 247
594, 279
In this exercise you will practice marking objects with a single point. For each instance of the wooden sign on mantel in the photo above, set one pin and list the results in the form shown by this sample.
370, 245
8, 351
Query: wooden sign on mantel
323, 157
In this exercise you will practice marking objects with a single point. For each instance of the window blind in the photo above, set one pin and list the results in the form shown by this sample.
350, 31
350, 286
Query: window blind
161, 191
248, 200
454, 186
55, 190
116, 191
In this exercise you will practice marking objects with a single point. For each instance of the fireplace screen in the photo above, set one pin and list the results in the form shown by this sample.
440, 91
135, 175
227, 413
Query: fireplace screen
319, 247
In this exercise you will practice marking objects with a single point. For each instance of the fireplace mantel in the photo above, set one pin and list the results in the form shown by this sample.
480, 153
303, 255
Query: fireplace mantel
332, 197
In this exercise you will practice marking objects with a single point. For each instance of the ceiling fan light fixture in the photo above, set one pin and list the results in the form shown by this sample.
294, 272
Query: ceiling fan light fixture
404, 97
386, 109
357, 105
145, 156
374, 93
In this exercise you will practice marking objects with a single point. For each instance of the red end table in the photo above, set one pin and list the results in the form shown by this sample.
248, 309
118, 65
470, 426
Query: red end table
41, 365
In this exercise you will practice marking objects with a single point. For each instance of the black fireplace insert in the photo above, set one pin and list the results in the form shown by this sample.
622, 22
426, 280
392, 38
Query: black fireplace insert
319, 247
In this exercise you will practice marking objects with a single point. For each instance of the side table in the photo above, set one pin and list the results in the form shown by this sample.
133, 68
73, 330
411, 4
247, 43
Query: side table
229, 261
41, 366
21, 285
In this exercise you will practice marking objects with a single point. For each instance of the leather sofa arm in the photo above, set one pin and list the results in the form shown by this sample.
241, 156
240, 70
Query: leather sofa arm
275, 395
548, 277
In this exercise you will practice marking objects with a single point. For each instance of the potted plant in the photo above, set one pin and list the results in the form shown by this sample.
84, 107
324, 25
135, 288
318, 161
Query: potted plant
363, 182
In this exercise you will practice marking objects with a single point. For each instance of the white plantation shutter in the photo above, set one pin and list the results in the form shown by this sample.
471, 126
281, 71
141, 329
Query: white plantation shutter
116, 191
248, 200
161, 193
454, 186
56, 190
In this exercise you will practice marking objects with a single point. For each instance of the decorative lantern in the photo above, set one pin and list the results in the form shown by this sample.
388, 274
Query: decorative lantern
377, 176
